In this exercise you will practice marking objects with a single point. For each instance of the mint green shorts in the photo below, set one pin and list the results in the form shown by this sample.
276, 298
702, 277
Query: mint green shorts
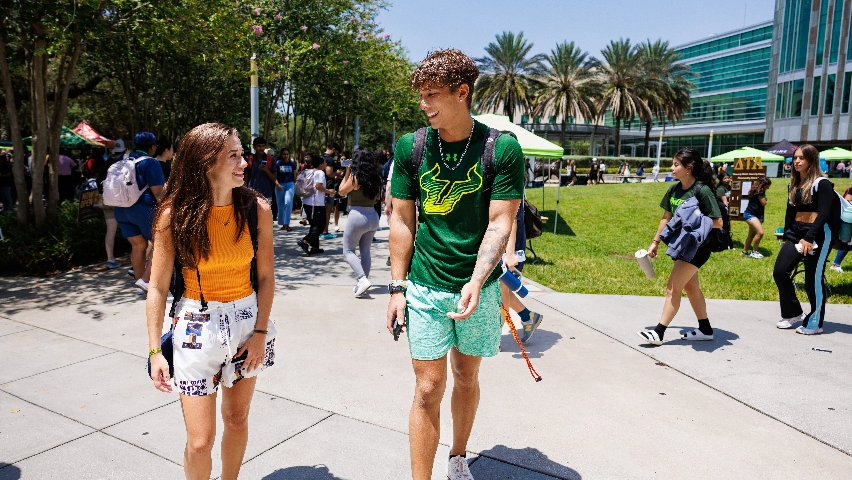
431, 332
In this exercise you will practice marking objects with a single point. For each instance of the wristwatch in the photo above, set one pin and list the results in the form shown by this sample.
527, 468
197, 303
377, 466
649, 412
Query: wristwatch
396, 287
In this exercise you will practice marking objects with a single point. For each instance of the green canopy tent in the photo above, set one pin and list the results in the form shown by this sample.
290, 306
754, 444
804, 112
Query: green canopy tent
836, 153
531, 144
772, 159
70, 139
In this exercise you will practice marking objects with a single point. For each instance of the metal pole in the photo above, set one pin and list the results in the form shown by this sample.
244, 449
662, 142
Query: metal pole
558, 190
254, 100
710, 146
659, 148
357, 128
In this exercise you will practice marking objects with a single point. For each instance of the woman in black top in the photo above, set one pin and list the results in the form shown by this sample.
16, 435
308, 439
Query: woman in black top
695, 179
808, 234
753, 216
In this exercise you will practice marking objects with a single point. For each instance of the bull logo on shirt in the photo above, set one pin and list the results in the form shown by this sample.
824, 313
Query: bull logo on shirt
443, 195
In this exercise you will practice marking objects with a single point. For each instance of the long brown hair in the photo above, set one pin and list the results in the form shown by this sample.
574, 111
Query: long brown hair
190, 195
811, 154
759, 186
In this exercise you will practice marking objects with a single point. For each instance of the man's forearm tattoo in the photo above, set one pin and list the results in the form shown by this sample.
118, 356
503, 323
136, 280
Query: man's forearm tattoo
492, 248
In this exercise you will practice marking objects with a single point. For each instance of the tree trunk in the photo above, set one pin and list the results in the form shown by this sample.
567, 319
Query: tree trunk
617, 136
648, 138
302, 144
18, 156
38, 98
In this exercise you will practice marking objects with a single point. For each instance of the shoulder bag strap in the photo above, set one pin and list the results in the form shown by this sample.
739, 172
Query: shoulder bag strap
252, 225
487, 160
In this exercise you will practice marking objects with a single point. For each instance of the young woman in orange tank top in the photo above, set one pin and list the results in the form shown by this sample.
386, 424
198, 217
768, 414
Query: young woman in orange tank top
222, 333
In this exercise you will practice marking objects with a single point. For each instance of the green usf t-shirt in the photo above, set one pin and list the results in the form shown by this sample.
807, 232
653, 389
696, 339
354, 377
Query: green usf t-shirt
676, 195
454, 211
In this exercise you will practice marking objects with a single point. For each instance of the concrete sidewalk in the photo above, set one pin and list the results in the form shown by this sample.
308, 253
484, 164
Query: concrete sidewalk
75, 400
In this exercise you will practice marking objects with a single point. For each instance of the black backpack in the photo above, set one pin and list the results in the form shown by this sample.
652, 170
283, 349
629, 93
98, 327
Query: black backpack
177, 286
532, 221
487, 161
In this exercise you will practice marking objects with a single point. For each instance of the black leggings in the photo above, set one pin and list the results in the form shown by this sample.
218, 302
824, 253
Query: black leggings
316, 219
787, 260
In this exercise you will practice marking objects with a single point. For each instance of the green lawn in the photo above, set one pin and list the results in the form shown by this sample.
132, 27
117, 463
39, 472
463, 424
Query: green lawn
600, 227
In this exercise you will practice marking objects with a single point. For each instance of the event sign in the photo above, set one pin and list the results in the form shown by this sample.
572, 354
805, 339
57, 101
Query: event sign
745, 172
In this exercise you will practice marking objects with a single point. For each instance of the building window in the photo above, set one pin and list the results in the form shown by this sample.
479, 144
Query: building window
815, 96
829, 94
796, 97
835, 31
525, 119
794, 44
823, 17
552, 119
844, 104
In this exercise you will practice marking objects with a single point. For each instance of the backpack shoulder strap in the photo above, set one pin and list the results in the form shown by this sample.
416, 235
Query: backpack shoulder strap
487, 160
176, 286
252, 226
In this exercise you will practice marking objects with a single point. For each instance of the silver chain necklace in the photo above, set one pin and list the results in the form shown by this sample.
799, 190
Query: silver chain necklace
461, 159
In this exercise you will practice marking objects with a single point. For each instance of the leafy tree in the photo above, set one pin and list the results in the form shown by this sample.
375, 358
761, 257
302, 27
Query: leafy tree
622, 77
508, 75
568, 85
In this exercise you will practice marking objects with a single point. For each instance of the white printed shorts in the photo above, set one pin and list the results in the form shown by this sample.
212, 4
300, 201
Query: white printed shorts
205, 344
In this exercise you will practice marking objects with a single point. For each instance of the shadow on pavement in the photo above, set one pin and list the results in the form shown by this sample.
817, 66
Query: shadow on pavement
316, 472
9, 472
831, 327
531, 459
541, 341
721, 338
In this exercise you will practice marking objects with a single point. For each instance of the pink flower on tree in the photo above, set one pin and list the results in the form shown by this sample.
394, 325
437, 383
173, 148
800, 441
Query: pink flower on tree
315, 46
257, 29
304, 28
346, 62
386, 36
337, 52
278, 17
346, 82
257, 11
287, 58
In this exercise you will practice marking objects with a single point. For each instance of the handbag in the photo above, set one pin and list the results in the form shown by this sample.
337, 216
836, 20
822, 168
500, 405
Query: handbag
718, 240
167, 351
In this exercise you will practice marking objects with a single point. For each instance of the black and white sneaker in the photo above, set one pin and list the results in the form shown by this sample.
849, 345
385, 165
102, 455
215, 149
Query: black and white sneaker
651, 337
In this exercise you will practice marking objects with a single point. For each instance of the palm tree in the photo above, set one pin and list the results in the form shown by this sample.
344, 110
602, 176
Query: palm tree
666, 86
508, 75
568, 85
621, 75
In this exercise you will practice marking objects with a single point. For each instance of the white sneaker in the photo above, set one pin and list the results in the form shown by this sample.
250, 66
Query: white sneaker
837, 268
362, 286
142, 284
337, 228
790, 322
651, 337
755, 254
808, 331
458, 469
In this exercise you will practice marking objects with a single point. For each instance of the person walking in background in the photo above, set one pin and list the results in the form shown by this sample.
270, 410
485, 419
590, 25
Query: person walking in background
655, 172
117, 153
694, 177
573, 173
137, 221
640, 172
315, 207
363, 183
593, 173
285, 172
723, 195
601, 171
222, 333
514, 259
753, 215
841, 254
333, 175
809, 231
66, 177
261, 179
164, 155
7, 182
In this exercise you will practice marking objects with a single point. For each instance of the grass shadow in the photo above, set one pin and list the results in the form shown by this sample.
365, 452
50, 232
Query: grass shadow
315, 472
507, 460
562, 226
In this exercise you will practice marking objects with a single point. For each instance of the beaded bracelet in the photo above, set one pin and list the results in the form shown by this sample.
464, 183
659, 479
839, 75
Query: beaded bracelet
154, 352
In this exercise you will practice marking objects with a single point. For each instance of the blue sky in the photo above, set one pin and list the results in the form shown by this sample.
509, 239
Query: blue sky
423, 25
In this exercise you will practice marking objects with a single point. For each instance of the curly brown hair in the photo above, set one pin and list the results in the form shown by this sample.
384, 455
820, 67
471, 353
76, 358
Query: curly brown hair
189, 194
445, 68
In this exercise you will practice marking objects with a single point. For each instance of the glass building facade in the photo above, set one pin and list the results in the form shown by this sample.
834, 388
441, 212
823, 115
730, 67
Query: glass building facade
808, 94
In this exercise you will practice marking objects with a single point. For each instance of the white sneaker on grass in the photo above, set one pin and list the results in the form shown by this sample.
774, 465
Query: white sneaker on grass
837, 268
755, 254
790, 322
458, 469
362, 286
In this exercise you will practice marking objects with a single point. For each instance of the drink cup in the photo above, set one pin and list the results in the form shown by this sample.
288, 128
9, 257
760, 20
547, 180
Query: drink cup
645, 263
513, 283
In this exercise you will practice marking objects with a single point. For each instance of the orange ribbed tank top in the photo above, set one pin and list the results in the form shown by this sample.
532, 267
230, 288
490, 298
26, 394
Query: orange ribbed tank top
225, 274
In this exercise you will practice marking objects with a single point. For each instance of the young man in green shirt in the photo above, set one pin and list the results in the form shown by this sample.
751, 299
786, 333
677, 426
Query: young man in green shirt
449, 298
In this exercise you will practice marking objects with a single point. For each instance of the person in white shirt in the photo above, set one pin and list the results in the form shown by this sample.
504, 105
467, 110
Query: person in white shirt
315, 207
655, 171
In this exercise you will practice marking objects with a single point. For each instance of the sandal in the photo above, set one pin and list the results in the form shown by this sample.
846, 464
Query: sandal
696, 335
651, 337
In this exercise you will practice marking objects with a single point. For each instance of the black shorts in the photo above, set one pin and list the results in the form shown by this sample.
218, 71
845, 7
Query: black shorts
701, 256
